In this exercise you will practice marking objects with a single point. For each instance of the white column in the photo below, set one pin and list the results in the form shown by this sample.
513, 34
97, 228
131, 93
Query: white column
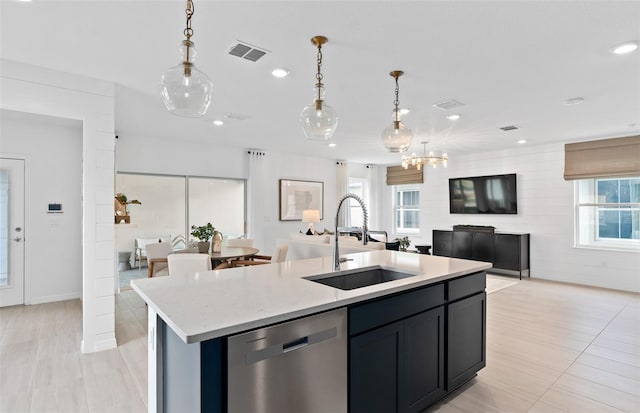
42, 91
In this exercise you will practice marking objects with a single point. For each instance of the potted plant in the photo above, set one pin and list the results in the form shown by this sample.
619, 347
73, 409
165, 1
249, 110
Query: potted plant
404, 243
203, 233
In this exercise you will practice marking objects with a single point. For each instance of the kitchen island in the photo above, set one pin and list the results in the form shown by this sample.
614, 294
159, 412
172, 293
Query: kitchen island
431, 317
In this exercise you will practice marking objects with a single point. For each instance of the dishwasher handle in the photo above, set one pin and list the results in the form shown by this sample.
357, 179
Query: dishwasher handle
295, 344
284, 348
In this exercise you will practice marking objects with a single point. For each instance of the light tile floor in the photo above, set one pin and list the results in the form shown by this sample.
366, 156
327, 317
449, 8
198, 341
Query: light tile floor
551, 347
43, 370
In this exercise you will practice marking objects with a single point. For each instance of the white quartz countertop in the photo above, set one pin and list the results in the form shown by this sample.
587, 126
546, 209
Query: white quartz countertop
218, 303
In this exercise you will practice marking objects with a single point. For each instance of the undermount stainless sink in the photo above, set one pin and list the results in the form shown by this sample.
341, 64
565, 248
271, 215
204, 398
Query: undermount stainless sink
358, 278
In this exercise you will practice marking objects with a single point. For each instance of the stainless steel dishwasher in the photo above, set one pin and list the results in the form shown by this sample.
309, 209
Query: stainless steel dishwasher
297, 366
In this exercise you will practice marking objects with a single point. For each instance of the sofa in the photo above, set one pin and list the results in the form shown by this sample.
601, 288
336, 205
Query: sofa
302, 246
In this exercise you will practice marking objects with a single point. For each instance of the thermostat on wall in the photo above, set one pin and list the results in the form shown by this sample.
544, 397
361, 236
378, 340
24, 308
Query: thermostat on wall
55, 209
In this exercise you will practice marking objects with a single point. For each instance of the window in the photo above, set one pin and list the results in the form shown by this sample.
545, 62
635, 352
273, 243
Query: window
407, 209
171, 204
608, 213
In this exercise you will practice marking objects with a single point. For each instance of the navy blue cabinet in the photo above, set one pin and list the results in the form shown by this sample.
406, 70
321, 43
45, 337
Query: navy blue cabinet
421, 376
466, 338
374, 365
399, 367
409, 350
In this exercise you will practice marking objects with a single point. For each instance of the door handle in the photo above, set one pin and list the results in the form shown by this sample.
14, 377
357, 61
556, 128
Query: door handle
17, 239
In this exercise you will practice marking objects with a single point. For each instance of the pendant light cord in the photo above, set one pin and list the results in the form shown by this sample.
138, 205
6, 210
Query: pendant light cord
396, 102
319, 73
188, 31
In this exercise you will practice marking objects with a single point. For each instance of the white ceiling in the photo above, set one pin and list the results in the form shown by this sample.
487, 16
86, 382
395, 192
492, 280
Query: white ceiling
509, 62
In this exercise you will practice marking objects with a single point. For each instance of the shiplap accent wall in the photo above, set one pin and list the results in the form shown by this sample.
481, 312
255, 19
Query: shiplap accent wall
545, 210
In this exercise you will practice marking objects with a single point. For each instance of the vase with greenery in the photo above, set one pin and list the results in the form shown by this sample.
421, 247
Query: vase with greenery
203, 233
404, 243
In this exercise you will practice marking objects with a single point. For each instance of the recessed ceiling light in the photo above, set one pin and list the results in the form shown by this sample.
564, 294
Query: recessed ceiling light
521, 141
453, 117
218, 122
626, 47
404, 111
280, 72
332, 145
574, 101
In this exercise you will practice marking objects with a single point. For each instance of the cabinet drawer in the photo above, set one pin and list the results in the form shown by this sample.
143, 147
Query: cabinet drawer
467, 285
380, 312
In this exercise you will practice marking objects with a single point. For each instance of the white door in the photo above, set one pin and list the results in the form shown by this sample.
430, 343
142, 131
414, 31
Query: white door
11, 231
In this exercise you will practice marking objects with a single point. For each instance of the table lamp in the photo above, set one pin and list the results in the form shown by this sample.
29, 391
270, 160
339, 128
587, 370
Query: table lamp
310, 216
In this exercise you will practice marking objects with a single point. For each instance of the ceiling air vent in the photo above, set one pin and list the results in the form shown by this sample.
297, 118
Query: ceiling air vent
448, 104
247, 51
508, 128
235, 116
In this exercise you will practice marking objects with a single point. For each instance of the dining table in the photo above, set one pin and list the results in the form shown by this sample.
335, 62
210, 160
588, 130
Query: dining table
225, 254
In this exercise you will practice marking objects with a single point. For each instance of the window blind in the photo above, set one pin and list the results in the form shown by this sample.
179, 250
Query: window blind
617, 157
397, 175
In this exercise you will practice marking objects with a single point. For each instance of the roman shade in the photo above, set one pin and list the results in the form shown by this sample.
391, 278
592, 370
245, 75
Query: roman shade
617, 157
397, 175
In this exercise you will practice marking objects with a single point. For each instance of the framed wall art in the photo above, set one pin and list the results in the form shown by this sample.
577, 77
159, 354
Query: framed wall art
296, 196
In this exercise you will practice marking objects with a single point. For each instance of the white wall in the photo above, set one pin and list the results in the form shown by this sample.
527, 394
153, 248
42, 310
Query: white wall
53, 150
545, 201
189, 158
37, 90
545, 210
286, 166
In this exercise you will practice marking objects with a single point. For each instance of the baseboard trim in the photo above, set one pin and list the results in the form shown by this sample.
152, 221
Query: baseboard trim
54, 298
99, 345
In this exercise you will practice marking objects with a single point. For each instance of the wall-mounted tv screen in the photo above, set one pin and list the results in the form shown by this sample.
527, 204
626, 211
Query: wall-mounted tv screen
495, 194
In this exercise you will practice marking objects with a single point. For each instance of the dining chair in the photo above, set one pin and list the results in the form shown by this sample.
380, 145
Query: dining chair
158, 250
279, 255
237, 242
240, 242
188, 263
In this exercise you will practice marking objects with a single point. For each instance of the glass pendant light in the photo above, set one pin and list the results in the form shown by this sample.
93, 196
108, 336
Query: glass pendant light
319, 120
397, 137
185, 90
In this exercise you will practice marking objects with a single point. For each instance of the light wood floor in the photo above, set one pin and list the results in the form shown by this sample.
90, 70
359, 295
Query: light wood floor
551, 347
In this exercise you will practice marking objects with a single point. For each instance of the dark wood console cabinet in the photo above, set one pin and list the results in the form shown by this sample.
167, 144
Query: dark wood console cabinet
508, 253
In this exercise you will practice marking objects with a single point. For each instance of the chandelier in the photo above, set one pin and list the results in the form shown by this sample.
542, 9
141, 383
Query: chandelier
319, 120
397, 137
185, 90
429, 160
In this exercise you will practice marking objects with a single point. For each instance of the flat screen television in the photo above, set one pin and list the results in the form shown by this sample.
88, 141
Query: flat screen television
494, 194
